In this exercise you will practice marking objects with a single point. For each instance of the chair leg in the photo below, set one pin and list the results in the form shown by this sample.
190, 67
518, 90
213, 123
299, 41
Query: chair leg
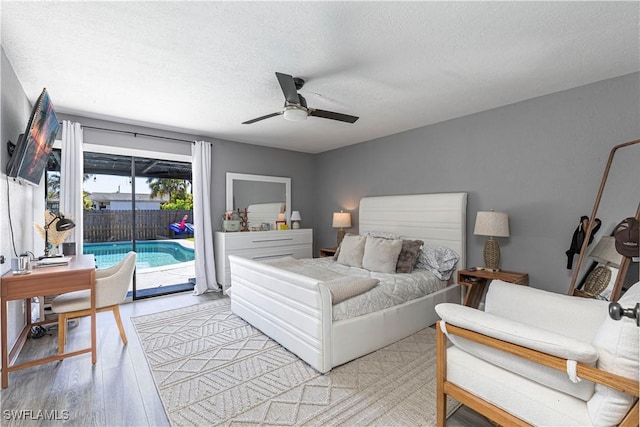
62, 331
116, 314
441, 376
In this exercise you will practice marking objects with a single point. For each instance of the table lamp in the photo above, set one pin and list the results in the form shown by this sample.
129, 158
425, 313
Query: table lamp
295, 219
492, 224
62, 224
341, 220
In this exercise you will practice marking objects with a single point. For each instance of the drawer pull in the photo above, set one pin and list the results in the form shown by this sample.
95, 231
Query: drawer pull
272, 240
270, 256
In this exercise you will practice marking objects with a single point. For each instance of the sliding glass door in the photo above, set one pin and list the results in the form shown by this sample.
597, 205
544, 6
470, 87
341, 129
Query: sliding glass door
144, 205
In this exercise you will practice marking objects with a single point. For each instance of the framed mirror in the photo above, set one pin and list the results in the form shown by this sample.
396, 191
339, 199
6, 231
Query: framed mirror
264, 197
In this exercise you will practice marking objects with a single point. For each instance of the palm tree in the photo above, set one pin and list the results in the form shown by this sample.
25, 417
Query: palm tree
174, 188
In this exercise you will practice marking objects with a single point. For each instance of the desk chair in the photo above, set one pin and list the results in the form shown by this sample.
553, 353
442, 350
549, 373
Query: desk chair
111, 289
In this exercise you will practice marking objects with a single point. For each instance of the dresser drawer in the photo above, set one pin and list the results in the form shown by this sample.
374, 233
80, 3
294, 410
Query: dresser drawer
268, 239
259, 246
296, 251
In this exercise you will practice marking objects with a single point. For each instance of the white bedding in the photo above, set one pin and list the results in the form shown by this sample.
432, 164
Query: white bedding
393, 288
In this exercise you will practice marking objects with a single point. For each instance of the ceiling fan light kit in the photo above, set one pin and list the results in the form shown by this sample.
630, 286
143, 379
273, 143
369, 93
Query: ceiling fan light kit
295, 106
295, 113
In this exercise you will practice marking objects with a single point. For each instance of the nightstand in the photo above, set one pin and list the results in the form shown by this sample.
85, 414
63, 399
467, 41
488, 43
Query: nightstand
476, 282
324, 252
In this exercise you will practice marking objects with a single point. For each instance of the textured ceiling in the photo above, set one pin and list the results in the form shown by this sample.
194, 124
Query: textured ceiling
206, 67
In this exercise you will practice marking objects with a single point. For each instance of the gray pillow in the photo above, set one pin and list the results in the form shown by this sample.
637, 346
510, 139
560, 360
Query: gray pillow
381, 254
440, 260
352, 250
408, 255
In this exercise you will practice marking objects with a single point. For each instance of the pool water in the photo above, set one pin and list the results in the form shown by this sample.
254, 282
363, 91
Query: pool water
151, 253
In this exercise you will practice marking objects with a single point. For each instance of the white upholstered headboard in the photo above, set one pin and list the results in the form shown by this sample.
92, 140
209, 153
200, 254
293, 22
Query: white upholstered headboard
436, 219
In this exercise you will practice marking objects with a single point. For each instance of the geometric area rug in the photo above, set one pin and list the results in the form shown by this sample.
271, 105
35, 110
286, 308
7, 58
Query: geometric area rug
212, 368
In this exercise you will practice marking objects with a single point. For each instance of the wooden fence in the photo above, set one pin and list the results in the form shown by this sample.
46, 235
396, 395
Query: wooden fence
114, 226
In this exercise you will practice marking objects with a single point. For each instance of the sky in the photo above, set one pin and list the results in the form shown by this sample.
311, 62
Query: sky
111, 184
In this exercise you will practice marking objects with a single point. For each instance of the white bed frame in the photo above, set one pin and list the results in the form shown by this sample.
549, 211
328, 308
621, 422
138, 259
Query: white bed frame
296, 310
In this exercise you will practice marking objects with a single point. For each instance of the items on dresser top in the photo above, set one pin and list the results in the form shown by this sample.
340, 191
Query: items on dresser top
258, 246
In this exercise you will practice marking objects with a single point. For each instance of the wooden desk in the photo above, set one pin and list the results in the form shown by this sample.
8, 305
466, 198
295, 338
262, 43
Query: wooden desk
477, 281
79, 274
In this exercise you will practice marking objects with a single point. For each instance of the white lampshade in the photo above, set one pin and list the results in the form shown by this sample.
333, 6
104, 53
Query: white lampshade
605, 252
295, 114
491, 223
341, 219
295, 216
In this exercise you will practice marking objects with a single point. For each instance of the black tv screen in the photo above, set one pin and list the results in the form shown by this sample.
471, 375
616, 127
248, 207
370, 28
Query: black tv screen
33, 148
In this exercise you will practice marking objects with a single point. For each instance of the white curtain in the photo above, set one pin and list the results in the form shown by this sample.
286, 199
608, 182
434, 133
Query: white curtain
71, 172
202, 220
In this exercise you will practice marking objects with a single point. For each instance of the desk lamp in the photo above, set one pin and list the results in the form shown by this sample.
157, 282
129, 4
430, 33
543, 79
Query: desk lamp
62, 224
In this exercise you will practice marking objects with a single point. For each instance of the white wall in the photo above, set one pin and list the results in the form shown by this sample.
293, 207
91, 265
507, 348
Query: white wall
18, 201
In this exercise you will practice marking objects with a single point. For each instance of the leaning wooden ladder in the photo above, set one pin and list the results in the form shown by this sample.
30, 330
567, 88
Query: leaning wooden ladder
626, 261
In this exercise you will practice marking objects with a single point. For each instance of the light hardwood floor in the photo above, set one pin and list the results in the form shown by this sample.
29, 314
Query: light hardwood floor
118, 390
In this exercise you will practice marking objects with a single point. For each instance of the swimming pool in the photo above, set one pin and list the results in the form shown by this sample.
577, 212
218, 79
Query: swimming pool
151, 253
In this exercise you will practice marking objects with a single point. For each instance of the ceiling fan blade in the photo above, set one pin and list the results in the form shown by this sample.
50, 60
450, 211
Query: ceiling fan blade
333, 116
257, 119
288, 86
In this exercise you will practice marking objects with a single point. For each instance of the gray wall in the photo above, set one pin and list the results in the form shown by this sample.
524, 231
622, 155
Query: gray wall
540, 160
254, 159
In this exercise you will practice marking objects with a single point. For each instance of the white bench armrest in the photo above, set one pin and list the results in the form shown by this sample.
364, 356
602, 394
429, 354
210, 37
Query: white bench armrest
517, 333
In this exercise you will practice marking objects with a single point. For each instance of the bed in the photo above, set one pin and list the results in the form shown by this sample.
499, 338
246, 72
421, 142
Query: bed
296, 310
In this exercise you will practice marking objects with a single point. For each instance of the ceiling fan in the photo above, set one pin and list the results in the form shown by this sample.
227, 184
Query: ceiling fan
295, 106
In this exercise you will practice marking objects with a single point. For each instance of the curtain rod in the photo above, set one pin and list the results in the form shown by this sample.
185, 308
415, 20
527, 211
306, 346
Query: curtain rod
135, 134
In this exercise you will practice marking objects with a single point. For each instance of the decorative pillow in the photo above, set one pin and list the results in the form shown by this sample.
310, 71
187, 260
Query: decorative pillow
617, 344
352, 250
440, 260
408, 255
347, 287
381, 254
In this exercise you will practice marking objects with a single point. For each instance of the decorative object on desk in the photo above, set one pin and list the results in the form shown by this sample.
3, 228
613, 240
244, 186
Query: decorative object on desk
295, 219
626, 237
605, 254
69, 248
282, 225
341, 220
53, 238
492, 224
21, 265
244, 222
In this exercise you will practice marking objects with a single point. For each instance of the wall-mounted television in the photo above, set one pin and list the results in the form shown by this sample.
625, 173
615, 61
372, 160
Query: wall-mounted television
32, 150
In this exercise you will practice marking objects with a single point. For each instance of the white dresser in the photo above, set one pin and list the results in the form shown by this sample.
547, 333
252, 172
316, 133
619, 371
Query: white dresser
259, 245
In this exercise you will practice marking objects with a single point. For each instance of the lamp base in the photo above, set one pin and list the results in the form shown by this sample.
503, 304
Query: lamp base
341, 234
491, 254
